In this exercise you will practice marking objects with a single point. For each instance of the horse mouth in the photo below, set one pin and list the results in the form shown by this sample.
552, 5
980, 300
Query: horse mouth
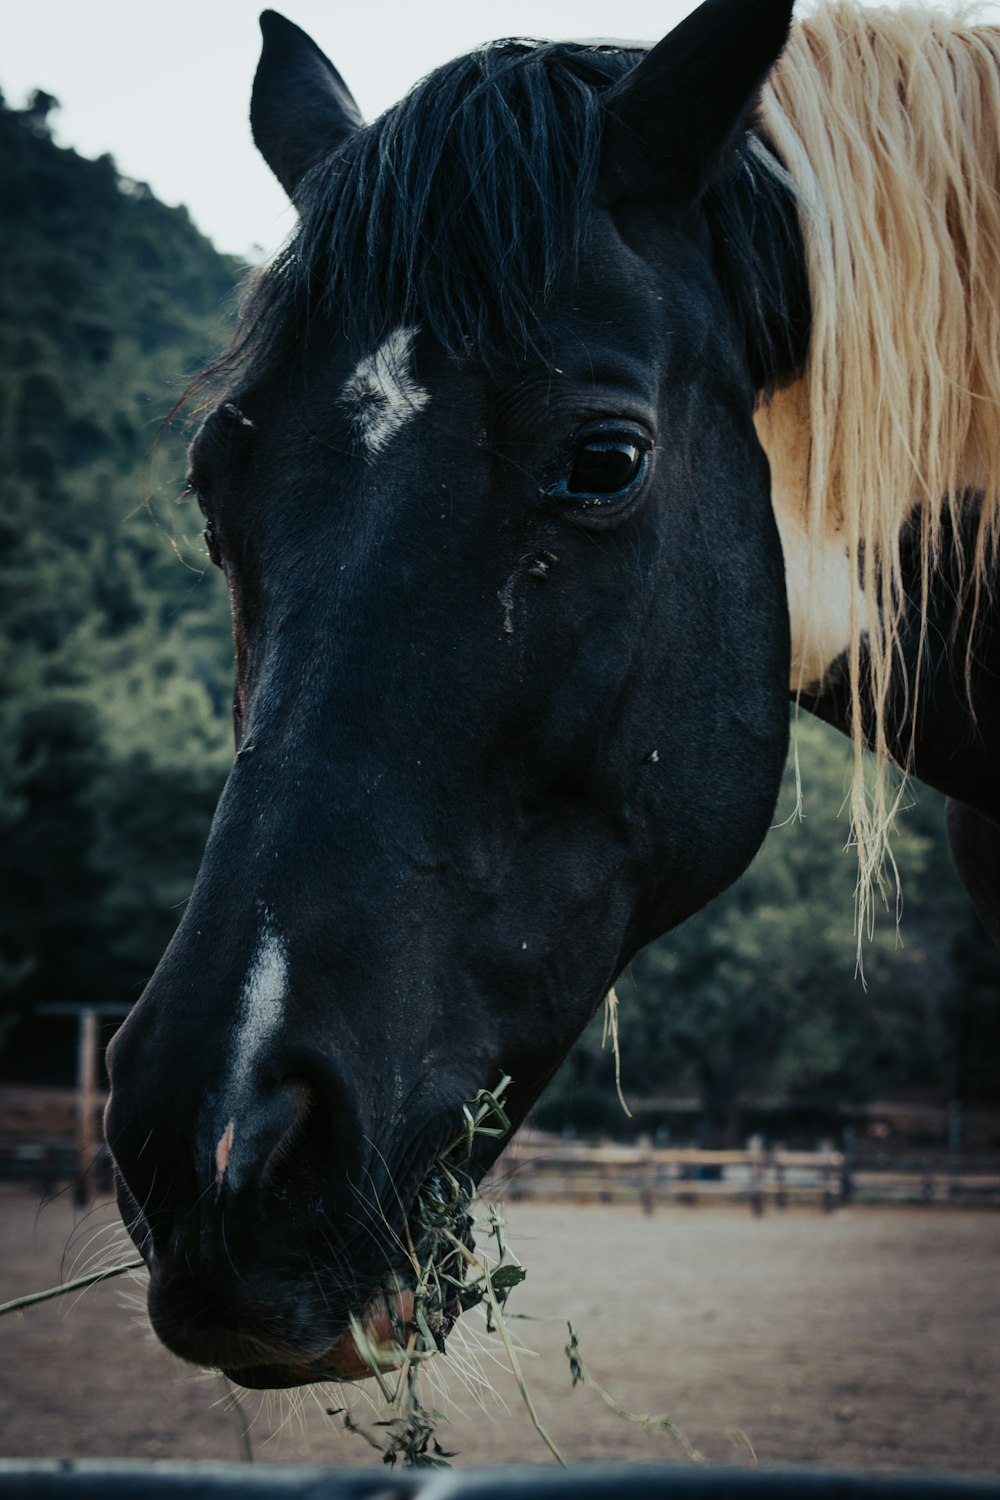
254, 1348
418, 1309
350, 1357
379, 1339
274, 1337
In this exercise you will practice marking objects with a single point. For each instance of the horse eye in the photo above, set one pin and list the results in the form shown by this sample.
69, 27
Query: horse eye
604, 466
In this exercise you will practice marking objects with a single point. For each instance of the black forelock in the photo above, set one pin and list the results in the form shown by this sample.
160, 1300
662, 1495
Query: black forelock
457, 209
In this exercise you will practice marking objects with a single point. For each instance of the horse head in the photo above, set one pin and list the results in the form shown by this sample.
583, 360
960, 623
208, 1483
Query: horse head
511, 654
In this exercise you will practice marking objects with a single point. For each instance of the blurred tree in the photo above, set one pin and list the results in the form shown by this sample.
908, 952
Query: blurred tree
35, 116
112, 751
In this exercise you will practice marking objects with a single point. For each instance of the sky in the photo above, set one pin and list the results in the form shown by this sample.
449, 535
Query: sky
166, 87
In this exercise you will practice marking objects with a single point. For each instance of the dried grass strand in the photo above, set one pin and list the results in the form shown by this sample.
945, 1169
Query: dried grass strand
610, 1030
18, 1304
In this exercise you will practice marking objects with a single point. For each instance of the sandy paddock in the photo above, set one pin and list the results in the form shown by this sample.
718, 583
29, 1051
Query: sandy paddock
867, 1338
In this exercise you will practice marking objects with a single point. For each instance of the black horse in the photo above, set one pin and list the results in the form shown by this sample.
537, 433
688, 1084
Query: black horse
512, 637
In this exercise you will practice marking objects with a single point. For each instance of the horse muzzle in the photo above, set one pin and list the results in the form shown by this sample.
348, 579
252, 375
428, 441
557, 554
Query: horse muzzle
273, 1272
276, 1339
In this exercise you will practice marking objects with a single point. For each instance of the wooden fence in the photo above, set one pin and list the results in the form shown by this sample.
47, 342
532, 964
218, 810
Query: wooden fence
540, 1166
49, 1135
925, 1177
537, 1166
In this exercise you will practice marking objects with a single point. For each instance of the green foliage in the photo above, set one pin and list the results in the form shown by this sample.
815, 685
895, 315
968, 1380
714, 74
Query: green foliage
115, 667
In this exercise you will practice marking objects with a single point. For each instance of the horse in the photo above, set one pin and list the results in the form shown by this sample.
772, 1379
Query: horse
604, 400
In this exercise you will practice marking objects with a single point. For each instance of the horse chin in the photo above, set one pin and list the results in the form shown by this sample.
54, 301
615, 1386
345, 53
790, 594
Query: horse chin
344, 1360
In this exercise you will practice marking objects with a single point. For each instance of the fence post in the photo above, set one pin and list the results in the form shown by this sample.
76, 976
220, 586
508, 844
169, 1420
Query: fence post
646, 1174
954, 1146
850, 1145
87, 1137
756, 1145
781, 1182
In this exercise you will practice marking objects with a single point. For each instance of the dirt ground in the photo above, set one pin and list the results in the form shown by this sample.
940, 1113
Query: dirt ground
869, 1338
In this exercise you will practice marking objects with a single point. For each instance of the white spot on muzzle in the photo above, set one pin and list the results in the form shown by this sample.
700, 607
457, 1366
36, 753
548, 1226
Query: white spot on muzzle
382, 394
262, 997
222, 1151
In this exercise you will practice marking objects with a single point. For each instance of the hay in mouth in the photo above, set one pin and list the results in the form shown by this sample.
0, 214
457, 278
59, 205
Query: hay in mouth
447, 1277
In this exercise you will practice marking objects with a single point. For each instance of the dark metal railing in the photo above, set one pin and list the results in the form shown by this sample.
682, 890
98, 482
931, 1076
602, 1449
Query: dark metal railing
89, 1480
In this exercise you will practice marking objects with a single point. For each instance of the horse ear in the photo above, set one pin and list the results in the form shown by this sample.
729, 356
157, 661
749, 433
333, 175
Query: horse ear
673, 115
301, 108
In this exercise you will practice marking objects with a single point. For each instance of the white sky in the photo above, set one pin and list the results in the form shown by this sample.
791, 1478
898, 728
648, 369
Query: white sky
166, 88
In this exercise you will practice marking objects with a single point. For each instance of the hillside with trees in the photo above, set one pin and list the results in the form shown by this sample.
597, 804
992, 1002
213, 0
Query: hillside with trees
115, 687
114, 641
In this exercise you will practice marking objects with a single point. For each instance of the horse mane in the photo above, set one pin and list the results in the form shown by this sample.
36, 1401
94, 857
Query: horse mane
457, 209
888, 124
462, 205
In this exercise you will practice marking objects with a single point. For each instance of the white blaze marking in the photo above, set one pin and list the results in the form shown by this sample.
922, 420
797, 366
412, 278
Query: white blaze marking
382, 394
262, 998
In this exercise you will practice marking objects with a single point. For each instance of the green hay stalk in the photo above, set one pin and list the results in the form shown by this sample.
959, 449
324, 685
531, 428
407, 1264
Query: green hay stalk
580, 1375
444, 1270
18, 1304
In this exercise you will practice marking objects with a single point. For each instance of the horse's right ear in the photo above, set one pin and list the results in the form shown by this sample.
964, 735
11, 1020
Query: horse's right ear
671, 118
301, 108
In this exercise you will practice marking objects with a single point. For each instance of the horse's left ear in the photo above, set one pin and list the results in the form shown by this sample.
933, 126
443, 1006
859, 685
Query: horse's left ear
301, 108
671, 118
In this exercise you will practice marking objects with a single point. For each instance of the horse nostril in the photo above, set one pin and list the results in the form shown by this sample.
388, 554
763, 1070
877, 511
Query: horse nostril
298, 1164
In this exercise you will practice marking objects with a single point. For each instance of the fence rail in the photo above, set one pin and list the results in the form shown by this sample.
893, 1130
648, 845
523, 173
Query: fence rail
534, 1166
542, 1167
47, 1137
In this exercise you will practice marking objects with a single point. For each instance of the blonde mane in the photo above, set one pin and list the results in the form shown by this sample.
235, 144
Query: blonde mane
888, 124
